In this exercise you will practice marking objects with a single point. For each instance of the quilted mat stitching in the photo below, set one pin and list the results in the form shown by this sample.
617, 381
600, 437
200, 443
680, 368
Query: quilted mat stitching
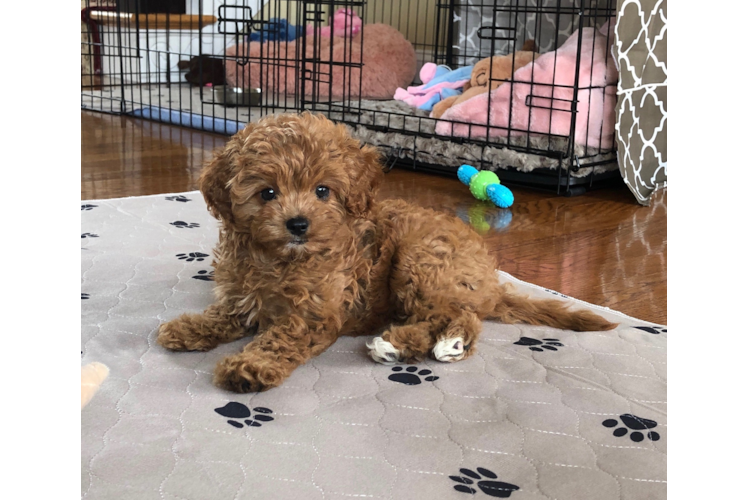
615, 364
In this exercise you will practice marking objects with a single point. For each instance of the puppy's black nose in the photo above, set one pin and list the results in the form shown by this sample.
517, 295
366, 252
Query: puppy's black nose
297, 226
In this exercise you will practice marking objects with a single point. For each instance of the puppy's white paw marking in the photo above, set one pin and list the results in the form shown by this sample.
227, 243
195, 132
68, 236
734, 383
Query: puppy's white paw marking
383, 352
449, 350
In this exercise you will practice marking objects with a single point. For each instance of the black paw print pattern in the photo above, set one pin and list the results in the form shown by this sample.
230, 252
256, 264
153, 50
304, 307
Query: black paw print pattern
89, 235
409, 377
85, 296
234, 410
539, 345
88, 207
498, 489
654, 330
178, 198
204, 275
189, 257
184, 225
636, 424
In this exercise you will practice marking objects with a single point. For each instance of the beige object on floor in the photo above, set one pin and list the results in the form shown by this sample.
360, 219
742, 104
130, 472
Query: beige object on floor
92, 375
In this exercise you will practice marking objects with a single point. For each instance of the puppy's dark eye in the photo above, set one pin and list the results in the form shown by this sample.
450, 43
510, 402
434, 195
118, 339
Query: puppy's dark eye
323, 192
267, 194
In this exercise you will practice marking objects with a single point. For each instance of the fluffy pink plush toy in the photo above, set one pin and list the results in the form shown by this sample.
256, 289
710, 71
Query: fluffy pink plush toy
551, 75
344, 22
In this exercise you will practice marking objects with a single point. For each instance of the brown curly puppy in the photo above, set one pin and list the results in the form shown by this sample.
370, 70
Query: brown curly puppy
306, 254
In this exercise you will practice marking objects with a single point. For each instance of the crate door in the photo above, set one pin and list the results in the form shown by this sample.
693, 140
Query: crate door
330, 73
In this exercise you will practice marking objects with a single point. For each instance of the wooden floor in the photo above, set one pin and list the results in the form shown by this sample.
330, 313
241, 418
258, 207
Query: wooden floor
601, 247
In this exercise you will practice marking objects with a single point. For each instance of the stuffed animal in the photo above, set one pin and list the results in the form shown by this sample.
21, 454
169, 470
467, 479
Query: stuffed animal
92, 376
344, 22
580, 70
276, 29
440, 82
503, 68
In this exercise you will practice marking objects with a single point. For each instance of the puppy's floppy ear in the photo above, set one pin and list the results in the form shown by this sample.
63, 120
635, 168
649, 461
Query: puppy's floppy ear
366, 176
213, 184
214, 181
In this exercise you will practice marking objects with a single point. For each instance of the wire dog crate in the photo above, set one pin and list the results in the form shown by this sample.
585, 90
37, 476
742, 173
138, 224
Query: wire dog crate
523, 87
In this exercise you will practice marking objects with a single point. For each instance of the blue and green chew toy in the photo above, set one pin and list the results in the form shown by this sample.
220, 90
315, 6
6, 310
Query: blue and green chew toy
485, 185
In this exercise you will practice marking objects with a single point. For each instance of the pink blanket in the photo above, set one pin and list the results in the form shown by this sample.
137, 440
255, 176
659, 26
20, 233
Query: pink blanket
388, 60
595, 120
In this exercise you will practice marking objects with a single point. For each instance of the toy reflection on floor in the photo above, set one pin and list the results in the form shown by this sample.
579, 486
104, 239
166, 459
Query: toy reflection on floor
485, 185
484, 217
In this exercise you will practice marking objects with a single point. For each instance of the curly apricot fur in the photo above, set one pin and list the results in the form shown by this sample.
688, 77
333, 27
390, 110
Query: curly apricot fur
361, 265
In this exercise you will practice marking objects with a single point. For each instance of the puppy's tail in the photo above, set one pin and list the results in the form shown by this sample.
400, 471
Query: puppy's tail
513, 308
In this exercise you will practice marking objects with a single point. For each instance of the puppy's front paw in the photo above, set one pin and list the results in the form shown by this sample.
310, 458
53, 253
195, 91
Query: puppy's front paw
383, 352
172, 335
189, 332
449, 350
238, 374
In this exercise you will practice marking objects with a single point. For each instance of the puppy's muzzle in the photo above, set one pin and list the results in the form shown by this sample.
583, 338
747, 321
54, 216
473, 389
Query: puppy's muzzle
297, 226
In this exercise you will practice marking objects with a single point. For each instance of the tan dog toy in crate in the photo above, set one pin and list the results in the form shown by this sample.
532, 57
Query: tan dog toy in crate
497, 68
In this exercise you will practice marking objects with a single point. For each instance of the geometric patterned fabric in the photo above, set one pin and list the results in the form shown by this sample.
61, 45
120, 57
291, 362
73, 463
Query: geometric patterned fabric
640, 50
